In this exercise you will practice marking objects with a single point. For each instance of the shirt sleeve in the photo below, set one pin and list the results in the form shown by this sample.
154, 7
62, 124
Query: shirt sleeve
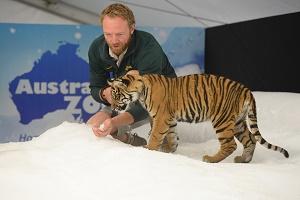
98, 76
153, 60
138, 112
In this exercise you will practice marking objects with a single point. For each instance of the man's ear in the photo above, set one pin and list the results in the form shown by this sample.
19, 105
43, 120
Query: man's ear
132, 29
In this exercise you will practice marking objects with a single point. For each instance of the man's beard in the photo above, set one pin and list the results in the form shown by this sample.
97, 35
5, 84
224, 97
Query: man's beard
119, 44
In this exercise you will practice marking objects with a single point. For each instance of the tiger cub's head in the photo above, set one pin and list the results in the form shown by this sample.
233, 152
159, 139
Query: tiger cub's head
125, 90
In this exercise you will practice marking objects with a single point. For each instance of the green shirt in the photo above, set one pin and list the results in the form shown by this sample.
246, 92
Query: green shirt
143, 54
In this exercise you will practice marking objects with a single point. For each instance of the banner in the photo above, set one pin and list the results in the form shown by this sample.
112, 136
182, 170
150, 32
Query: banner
45, 73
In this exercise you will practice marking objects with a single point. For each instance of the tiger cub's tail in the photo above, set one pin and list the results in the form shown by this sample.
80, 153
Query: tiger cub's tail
252, 120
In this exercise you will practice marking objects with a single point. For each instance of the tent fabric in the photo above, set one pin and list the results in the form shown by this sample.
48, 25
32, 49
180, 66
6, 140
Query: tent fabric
204, 13
16, 12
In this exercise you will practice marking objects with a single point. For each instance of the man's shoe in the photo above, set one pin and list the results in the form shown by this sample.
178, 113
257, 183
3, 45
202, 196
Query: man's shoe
135, 140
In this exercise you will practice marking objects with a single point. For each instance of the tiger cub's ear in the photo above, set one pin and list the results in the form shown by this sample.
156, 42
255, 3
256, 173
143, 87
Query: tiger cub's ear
110, 81
118, 82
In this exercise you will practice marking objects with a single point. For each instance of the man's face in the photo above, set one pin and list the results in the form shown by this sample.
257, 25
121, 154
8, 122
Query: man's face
117, 33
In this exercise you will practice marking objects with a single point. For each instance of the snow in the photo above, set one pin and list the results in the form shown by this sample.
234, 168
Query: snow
69, 162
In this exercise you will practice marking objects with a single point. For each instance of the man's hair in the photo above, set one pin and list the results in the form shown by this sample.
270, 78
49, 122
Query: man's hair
118, 10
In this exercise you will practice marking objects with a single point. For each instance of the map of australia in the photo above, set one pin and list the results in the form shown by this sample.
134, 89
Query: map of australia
57, 81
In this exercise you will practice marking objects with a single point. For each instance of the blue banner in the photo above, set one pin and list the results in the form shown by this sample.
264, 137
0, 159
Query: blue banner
45, 73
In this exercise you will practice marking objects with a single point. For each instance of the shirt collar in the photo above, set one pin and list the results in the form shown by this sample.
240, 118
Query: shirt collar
117, 58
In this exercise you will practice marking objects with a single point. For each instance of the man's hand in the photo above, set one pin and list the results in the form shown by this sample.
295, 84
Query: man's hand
107, 95
133, 72
104, 129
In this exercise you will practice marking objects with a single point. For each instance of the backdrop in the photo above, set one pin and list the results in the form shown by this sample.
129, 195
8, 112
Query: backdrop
263, 54
45, 73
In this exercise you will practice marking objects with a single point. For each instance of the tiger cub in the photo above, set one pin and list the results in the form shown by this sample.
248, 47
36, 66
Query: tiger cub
194, 98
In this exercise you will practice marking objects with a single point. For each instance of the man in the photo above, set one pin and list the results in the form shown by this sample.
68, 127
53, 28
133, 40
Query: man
121, 50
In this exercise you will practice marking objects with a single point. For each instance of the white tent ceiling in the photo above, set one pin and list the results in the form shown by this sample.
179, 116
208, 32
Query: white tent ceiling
204, 13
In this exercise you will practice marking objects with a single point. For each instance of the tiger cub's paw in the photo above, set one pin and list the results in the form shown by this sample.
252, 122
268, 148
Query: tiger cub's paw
167, 149
206, 158
210, 159
241, 159
152, 147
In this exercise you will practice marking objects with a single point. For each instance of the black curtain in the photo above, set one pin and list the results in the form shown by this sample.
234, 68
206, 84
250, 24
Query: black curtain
262, 54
